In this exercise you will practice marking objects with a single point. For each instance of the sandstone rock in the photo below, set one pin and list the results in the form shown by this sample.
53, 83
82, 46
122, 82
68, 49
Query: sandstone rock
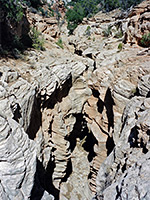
138, 24
18, 161
144, 86
70, 102
116, 177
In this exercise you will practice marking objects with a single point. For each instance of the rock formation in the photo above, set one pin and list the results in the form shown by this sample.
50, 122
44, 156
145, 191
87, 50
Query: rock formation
63, 133
124, 174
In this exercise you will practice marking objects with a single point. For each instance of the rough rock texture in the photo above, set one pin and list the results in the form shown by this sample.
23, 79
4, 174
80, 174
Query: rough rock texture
68, 104
124, 174
18, 161
139, 23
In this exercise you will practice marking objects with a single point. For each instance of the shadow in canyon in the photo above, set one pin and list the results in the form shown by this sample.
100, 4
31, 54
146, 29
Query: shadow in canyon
86, 137
36, 115
43, 181
16, 111
36, 119
68, 171
108, 103
135, 141
58, 94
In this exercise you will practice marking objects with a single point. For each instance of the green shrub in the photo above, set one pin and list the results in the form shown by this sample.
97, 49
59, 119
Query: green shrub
120, 46
51, 11
37, 39
60, 43
107, 32
145, 41
88, 31
119, 34
12, 9
74, 17
86, 8
109, 5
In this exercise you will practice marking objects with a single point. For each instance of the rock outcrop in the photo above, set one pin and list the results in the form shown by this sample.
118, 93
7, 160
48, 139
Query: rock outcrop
63, 111
124, 174
139, 23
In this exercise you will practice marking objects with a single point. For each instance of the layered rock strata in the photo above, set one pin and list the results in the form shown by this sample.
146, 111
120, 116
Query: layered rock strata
124, 174
63, 111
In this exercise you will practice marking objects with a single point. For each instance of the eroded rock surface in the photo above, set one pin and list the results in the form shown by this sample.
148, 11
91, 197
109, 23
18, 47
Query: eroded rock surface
124, 174
63, 110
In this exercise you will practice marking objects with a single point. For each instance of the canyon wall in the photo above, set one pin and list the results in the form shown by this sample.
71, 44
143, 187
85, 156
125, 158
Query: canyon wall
63, 135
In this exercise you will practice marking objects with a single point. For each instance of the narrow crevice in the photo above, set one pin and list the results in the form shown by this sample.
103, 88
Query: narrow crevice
124, 168
118, 196
37, 190
135, 93
133, 137
16, 112
36, 119
89, 55
109, 145
143, 146
68, 171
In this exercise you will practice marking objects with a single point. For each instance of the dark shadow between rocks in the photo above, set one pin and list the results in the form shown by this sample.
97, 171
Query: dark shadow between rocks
133, 137
134, 140
43, 181
37, 190
68, 171
82, 132
58, 94
109, 103
16, 111
36, 119
109, 145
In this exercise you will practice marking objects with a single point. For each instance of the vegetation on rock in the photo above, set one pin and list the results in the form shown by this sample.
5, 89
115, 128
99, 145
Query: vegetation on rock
60, 43
78, 9
145, 41
37, 39
11, 10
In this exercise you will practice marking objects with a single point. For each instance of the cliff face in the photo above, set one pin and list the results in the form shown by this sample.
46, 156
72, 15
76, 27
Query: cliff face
61, 113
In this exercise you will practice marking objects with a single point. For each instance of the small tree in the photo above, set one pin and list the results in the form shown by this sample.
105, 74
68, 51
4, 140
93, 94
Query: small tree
74, 17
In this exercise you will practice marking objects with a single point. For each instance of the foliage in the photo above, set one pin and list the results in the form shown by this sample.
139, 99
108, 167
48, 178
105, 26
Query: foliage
37, 39
74, 17
120, 46
51, 11
88, 31
109, 5
60, 43
107, 32
119, 34
89, 6
12, 10
81, 9
17, 43
78, 9
145, 41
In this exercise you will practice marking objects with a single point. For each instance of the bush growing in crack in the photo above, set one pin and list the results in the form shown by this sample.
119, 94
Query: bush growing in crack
37, 39
107, 32
60, 43
145, 41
